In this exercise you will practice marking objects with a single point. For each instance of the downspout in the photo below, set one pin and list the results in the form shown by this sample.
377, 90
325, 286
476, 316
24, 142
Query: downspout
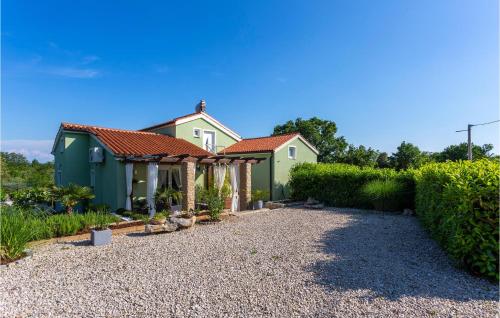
271, 173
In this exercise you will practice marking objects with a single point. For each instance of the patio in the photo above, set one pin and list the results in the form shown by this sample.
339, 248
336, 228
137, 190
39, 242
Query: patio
285, 262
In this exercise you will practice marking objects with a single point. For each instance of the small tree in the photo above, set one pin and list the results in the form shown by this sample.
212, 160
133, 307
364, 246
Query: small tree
407, 156
73, 194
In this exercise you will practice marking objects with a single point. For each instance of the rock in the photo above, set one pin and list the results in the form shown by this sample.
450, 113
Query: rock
317, 206
184, 222
408, 212
311, 201
166, 227
274, 205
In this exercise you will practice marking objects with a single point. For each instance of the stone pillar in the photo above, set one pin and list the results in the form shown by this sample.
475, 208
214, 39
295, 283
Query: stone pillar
245, 190
188, 184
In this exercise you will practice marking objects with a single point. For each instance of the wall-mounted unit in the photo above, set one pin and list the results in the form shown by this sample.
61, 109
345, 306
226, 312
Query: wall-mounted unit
96, 154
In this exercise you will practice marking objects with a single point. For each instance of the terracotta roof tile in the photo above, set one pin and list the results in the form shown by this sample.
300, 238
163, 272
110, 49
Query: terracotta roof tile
138, 143
261, 144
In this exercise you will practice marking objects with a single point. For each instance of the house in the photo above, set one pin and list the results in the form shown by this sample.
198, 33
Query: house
123, 166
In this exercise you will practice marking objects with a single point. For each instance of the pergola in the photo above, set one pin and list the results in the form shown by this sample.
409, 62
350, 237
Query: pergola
188, 166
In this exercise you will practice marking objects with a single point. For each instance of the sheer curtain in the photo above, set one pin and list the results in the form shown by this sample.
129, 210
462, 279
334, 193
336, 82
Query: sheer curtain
234, 174
129, 170
151, 188
219, 175
176, 175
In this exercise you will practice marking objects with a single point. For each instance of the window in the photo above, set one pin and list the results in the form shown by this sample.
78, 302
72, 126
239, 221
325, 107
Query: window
92, 175
292, 152
61, 144
196, 132
59, 175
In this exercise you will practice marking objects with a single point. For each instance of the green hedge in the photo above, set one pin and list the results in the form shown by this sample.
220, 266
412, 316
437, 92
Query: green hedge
341, 184
458, 203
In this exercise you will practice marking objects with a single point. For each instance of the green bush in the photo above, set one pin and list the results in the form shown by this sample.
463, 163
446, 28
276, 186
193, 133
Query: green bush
341, 184
384, 195
458, 202
30, 197
15, 233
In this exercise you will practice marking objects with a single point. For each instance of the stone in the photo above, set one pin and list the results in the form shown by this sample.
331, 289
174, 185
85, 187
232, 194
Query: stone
166, 227
184, 222
274, 205
408, 212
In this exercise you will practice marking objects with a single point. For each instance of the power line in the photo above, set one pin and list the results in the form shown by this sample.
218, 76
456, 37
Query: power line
469, 136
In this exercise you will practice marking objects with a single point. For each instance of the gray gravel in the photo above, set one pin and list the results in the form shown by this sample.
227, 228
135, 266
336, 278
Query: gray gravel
285, 263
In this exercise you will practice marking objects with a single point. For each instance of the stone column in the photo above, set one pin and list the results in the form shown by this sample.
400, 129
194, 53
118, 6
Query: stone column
188, 184
245, 190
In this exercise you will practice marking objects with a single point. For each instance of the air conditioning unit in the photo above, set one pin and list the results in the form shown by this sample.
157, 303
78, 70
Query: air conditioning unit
96, 154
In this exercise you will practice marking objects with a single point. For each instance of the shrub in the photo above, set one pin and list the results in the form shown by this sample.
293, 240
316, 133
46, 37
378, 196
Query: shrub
458, 203
30, 197
384, 195
215, 202
73, 194
341, 184
64, 224
15, 233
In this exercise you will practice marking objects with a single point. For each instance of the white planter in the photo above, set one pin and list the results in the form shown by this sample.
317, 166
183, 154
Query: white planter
100, 237
258, 205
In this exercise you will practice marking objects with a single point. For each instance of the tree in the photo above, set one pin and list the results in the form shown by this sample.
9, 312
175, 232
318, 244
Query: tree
360, 156
19, 173
406, 156
383, 160
320, 133
459, 152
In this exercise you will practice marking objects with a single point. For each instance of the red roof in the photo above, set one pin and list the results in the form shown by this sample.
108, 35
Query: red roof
261, 144
137, 143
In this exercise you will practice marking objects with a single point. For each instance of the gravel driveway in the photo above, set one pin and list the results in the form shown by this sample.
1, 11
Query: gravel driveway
286, 263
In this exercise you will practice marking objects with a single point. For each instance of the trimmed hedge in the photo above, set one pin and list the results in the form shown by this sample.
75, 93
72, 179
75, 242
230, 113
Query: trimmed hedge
458, 202
341, 185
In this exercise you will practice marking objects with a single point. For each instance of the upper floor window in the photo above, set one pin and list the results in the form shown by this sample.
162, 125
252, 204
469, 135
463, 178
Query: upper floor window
61, 144
196, 132
292, 152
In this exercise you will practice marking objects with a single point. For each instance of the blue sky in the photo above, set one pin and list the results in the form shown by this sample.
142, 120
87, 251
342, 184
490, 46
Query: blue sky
384, 71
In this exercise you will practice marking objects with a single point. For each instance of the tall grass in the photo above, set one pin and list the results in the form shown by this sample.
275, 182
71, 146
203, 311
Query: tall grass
19, 226
384, 195
15, 233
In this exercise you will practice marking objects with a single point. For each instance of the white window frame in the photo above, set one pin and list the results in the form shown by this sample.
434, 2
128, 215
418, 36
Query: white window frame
215, 139
294, 157
196, 130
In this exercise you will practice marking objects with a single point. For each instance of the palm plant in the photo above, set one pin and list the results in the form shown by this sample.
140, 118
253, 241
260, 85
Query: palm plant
73, 194
165, 196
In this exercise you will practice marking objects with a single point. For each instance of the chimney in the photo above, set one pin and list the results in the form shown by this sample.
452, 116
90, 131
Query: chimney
201, 107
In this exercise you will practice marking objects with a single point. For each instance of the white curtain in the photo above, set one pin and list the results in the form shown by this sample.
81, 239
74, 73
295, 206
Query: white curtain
129, 170
234, 174
151, 189
219, 175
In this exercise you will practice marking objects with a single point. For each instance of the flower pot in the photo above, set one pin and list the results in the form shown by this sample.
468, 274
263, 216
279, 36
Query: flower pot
227, 203
258, 205
100, 237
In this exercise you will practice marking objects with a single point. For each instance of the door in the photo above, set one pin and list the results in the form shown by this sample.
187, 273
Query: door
209, 140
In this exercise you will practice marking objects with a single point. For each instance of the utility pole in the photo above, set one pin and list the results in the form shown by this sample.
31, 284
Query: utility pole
469, 136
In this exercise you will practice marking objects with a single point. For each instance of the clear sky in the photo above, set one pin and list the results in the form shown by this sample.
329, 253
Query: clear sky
384, 71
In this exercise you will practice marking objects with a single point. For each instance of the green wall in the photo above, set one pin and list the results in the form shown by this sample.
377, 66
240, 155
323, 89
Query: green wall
169, 130
74, 159
185, 131
282, 165
110, 187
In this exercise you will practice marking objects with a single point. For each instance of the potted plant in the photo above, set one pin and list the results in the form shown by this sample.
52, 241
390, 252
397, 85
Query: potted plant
225, 193
258, 197
159, 218
101, 233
